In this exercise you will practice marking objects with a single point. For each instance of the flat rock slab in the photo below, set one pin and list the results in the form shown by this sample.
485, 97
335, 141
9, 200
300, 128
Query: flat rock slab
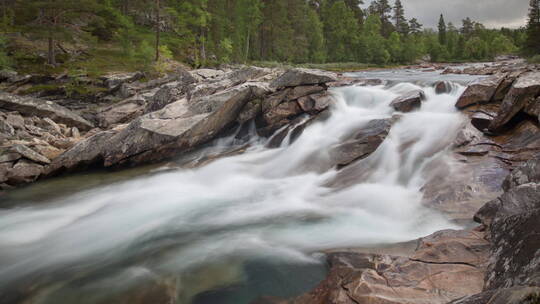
43, 108
446, 265
299, 77
480, 91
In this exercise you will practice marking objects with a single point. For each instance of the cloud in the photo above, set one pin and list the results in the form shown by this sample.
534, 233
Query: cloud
492, 13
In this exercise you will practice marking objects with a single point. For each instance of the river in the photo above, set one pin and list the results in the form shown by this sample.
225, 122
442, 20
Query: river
236, 228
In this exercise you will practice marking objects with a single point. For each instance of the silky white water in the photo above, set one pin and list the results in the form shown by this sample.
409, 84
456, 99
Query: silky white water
284, 203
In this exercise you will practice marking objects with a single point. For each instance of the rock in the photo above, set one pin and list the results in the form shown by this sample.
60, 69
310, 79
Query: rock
523, 91
207, 73
179, 126
83, 154
481, 120
521, 199
514, 295
122, 112
75, 132
7, 157
6, 128
515, 252
48, 151
409, 102
16, 121
23, 172
361, 144
480, 91
165, 95
280, 115
250, 111
506, 84
529, 172
453, 268
115, 80
30, 154
9, 76
42, 108
443, 87
298, 77
316, 103
533, 108
302, 91
5, 167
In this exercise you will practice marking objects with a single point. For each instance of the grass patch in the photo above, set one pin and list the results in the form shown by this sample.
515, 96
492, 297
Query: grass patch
534, 59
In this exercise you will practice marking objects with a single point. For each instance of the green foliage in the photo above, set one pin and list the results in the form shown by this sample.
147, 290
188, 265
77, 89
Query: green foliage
5, 60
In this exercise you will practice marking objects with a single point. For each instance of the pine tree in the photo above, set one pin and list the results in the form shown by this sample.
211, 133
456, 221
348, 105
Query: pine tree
442, 30
532, 44
382, 9
399, 19
414, 26
467, 28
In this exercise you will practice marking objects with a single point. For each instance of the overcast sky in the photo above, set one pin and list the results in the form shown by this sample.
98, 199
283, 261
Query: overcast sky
492, 13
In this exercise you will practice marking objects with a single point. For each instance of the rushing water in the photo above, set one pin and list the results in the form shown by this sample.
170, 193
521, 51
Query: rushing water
238, 227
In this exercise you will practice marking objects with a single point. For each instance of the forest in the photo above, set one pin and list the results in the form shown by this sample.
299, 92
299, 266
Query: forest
93, 34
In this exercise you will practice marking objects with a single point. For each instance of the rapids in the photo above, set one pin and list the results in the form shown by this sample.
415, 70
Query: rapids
197, 229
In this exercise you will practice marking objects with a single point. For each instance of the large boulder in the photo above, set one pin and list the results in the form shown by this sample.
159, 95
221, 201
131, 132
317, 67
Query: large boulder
480, 91
362, 143
445, 266
122, 112
513, 295
115, 80
409, 102
523, 91
298, 77
43, 108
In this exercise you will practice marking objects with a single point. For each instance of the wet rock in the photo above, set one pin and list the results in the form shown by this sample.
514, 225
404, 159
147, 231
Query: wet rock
298, 77
5, 167
23, 171
316, 103
42, 108
361, 144
480, 91
523, 91
409, 102
506, 84
30, 154
250, 111
443, 87
453, 268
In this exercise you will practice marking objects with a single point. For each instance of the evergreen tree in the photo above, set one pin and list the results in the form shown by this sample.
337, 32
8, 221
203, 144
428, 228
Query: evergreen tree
341, 31
467, 28
442, 30
400, 22
532, 44
414, 26
382, 9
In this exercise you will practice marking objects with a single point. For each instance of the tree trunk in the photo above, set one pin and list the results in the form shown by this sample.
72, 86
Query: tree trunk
158, 28
247, 45
51, 56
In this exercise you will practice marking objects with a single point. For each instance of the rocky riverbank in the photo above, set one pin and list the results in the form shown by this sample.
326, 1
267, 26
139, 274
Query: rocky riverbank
494, 176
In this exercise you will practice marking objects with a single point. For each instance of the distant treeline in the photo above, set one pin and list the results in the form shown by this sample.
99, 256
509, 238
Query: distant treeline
204, 32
